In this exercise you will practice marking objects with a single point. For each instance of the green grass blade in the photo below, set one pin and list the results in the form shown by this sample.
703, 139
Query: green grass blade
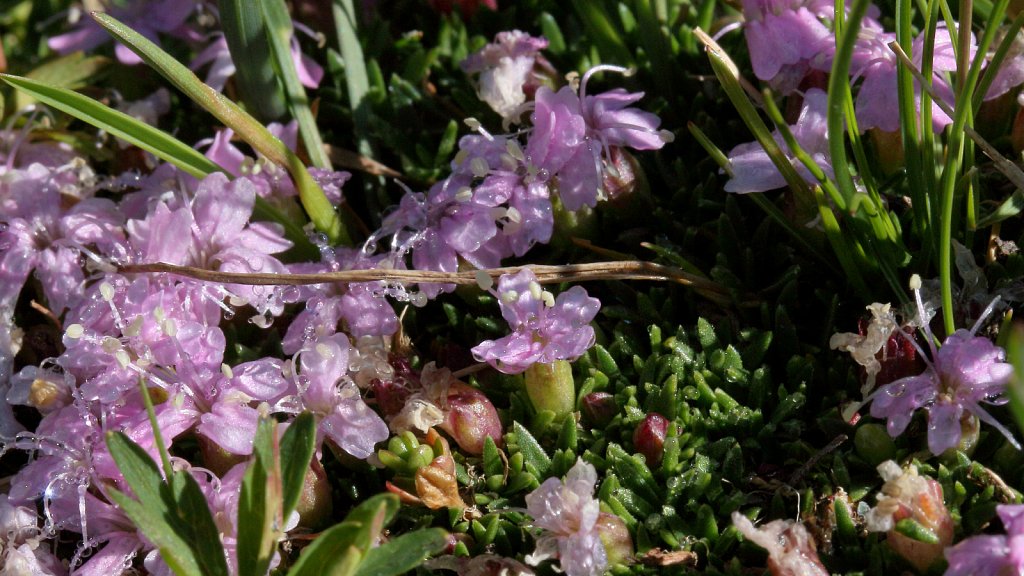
245, 32
150, 139
356, 79
279, 32
248, 128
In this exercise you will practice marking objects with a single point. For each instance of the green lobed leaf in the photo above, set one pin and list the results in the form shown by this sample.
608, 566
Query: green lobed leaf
297, 446
404, 553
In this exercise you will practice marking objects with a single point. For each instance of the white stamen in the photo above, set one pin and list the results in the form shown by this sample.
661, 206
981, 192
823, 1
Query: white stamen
509, 297
169, 327
514, 150
535, 290
915, 282
110, 344
122, 358
133, 329
75, 331
324, 351
107, 291
514, 215
479, 167
548, 298
464, 194
227, 371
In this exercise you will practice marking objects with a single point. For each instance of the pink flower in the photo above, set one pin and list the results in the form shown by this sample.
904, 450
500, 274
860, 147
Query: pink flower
574, 134
966, 371
906, 494
545, 328
325, 390
148, 17
1000, 554
784, 37
751, 169
568, 512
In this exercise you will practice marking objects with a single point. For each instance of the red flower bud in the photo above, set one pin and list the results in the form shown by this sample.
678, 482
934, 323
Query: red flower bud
598, 409
649, 437
471, 418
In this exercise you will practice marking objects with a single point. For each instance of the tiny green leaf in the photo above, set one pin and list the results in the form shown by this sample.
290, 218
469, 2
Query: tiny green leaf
531, 450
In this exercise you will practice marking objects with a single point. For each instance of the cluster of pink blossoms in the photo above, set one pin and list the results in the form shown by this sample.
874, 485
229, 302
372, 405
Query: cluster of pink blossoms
70, 229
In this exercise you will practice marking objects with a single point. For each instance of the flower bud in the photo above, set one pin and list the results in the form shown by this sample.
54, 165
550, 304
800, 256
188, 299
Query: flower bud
618, 545
649, 438
551, 387
390, 394
874, 444
315, 503
471, 418
598, 409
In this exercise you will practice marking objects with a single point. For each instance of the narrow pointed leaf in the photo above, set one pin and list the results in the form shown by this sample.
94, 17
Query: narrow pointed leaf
531, 449
297, 446
279, 32
245, 32
138, 470
195, 523
403, 554
173, 549
150, 139
256, 506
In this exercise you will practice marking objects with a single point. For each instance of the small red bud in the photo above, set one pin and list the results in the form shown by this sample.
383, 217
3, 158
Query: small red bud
390, 394
649, 437
598, 409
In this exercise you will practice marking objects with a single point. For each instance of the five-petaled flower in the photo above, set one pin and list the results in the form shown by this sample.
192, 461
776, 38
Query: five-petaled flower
546, 328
